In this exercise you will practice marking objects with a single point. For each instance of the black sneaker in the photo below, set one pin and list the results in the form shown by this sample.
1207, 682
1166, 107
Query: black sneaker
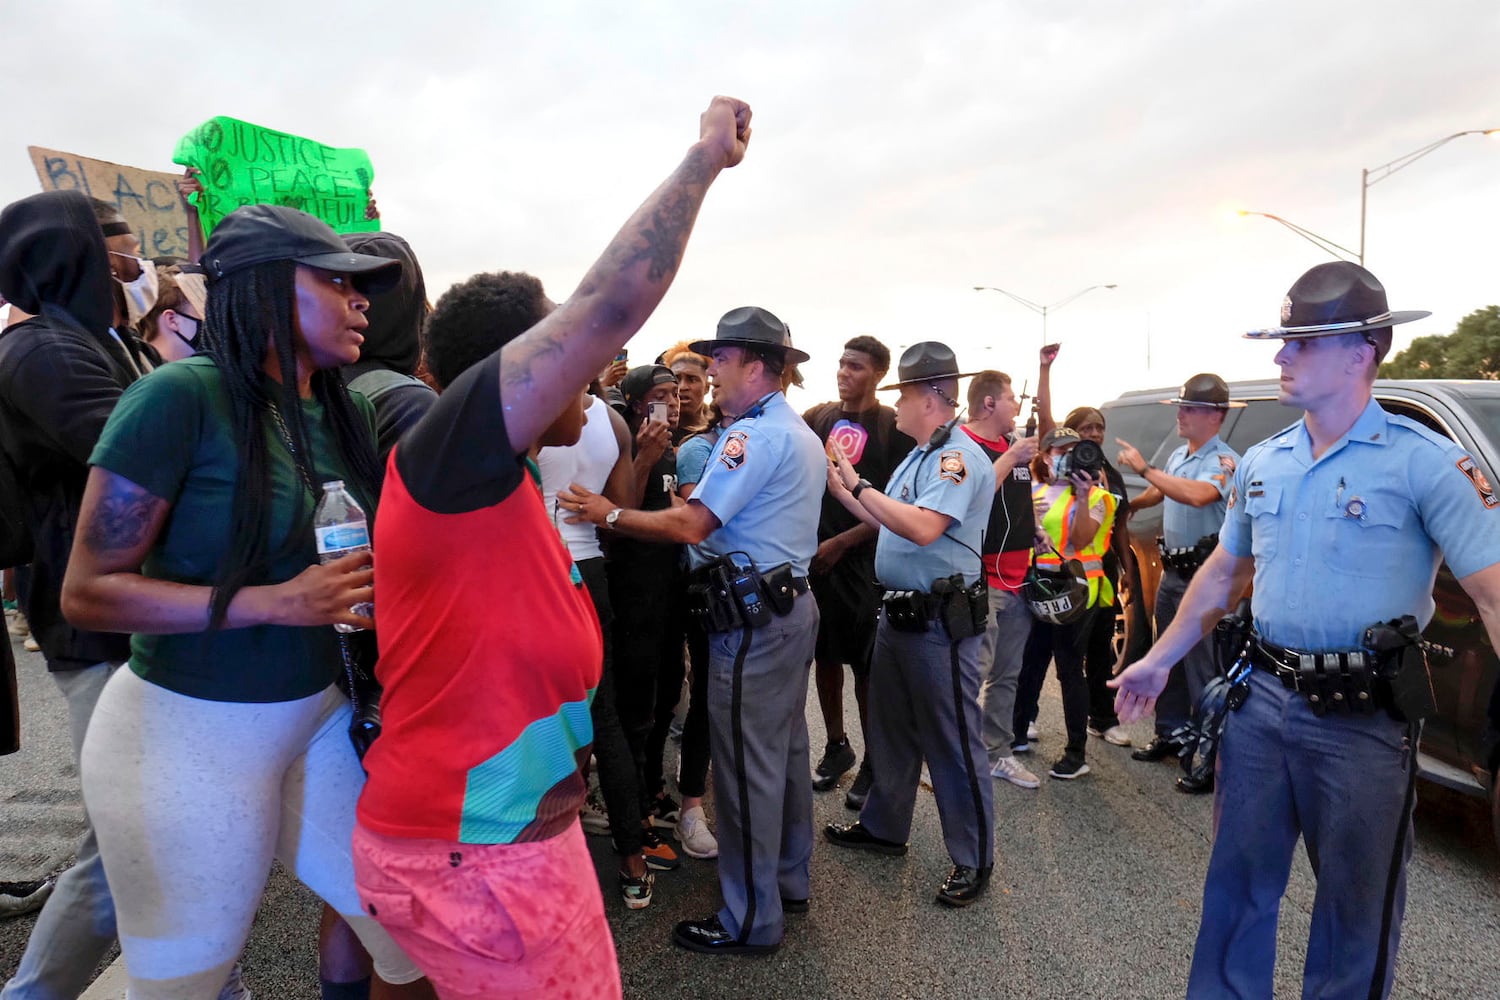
1069, 767
860, 790
837, 759
664, 812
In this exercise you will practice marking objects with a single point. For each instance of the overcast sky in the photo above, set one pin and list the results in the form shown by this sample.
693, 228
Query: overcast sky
902, 154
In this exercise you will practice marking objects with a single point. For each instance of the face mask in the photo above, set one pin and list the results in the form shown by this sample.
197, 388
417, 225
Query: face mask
140, 294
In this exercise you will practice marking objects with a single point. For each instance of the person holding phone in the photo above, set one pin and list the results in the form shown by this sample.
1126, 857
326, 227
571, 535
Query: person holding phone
645, 586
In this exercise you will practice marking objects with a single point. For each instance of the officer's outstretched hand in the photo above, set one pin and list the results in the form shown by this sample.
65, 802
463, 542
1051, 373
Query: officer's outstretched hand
584, 504
726, 126
1130, 457
841, 473
1138, 688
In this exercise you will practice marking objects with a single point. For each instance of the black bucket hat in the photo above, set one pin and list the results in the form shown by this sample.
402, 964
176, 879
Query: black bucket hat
1205, 389
754, 327
258, 234
1338, 297
927, 361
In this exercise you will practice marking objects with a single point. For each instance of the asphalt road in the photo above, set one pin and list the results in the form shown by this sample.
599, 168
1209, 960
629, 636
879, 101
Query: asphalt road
1096, 894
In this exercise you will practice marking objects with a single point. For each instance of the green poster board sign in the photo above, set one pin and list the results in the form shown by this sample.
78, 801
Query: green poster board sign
243, 164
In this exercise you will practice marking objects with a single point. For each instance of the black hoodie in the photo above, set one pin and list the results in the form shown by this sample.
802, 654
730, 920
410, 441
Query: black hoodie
61, 373
393, 342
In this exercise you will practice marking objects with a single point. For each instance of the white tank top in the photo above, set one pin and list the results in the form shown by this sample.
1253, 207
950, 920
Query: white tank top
587, 463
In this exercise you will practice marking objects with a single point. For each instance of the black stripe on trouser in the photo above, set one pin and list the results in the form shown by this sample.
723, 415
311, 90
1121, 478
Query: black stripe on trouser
963, 740
1387, 914
742, 783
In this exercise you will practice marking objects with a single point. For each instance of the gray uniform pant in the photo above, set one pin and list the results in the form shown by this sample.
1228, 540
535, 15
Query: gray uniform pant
77, 925
1178, 701
1339, 781
1000, 650
924, 703
757, 714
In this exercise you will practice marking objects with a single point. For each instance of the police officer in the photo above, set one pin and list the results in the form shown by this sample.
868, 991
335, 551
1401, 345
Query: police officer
1193, 489
1341, 519
758, 501
924, 678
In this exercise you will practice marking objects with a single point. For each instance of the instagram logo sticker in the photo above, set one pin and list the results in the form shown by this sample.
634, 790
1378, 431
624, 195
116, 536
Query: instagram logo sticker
851, 438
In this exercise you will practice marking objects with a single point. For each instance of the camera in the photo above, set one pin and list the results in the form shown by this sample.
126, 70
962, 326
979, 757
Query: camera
1085, 456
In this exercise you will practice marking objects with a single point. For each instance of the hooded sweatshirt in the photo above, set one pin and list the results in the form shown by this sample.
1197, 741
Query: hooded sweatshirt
61, 373
393, 343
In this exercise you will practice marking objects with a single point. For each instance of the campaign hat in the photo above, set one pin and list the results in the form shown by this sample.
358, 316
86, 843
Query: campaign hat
258, 234
927, 361
1338, 297
1204, 389
753, 327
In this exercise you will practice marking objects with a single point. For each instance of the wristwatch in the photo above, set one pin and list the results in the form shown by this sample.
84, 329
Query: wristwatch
612, 517
860, 487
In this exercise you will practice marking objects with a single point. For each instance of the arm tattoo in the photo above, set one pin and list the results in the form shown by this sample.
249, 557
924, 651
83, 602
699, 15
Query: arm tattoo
663, 237
122, 518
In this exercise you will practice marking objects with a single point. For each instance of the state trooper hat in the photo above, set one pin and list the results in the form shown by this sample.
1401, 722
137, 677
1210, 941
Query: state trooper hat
1338, 297
753, 327
1205, 389
258, 234
928, 361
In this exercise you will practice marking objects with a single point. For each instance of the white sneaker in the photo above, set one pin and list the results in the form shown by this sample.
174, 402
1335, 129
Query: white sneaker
17, 625
31, 645
1114, 734
593, 815
696, 838
234, 987
1032, 732
1014, 772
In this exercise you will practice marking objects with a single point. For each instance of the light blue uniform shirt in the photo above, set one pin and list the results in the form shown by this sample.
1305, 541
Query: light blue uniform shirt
764, 482
1183, 524
1354, 537
956, 479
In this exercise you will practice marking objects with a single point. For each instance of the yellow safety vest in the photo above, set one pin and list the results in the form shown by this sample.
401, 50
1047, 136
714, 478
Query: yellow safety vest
1055, 523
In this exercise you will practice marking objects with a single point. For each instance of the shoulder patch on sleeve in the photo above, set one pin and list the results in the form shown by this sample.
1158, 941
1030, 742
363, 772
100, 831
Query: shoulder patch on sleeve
1482, 486
1227, 466
733, 453
951, 466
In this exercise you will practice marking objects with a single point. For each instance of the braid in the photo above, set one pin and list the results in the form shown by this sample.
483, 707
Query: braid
249, 312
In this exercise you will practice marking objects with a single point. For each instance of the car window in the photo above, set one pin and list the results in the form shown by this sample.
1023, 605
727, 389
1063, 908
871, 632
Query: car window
1148, 425
1263, 417
1402, 408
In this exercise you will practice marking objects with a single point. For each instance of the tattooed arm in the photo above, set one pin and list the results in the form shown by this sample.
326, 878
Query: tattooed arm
104, 589
550, 363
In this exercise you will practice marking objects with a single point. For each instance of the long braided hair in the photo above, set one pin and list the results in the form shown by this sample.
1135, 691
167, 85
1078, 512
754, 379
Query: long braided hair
249, 311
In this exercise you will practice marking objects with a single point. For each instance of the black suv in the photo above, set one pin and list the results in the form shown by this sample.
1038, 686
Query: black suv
1461, 744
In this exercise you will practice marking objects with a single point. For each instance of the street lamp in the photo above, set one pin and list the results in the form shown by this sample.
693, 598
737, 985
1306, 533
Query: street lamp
1374, 175
1037, 308
1323, 243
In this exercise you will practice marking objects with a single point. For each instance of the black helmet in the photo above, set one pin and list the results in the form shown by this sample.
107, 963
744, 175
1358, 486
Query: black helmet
1057, 596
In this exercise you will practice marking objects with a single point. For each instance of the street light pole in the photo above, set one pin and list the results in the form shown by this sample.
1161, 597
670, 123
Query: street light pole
1323, 243
1374, 175
1037, 307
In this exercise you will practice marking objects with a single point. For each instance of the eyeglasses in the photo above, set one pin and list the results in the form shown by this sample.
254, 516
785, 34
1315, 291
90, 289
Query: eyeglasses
944, 396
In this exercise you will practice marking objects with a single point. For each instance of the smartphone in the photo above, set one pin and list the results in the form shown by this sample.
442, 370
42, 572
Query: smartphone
656, 412
623, 356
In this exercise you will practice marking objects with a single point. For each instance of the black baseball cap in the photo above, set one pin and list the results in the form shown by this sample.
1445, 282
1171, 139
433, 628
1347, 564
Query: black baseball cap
642, 379
258, 234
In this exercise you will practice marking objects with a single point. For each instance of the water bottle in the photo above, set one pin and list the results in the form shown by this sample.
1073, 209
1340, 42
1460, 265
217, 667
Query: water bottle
341, 528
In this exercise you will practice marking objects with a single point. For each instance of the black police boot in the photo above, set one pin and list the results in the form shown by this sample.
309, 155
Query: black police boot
709, 937
856, 836
963, 885
1160, 748
1191, 784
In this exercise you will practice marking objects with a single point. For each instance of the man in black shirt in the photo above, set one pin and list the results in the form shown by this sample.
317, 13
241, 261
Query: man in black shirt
843, 571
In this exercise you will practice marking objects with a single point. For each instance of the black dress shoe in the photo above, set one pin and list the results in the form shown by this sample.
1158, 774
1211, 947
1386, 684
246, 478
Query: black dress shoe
963, 885
1160, 748
793, 905
856, 836
1195, 786
709, 937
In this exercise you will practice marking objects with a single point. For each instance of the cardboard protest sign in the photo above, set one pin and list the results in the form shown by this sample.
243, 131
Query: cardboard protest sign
244, 164
146, 198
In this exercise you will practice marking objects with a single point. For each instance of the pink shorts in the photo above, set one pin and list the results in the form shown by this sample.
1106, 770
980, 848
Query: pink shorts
492, 920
